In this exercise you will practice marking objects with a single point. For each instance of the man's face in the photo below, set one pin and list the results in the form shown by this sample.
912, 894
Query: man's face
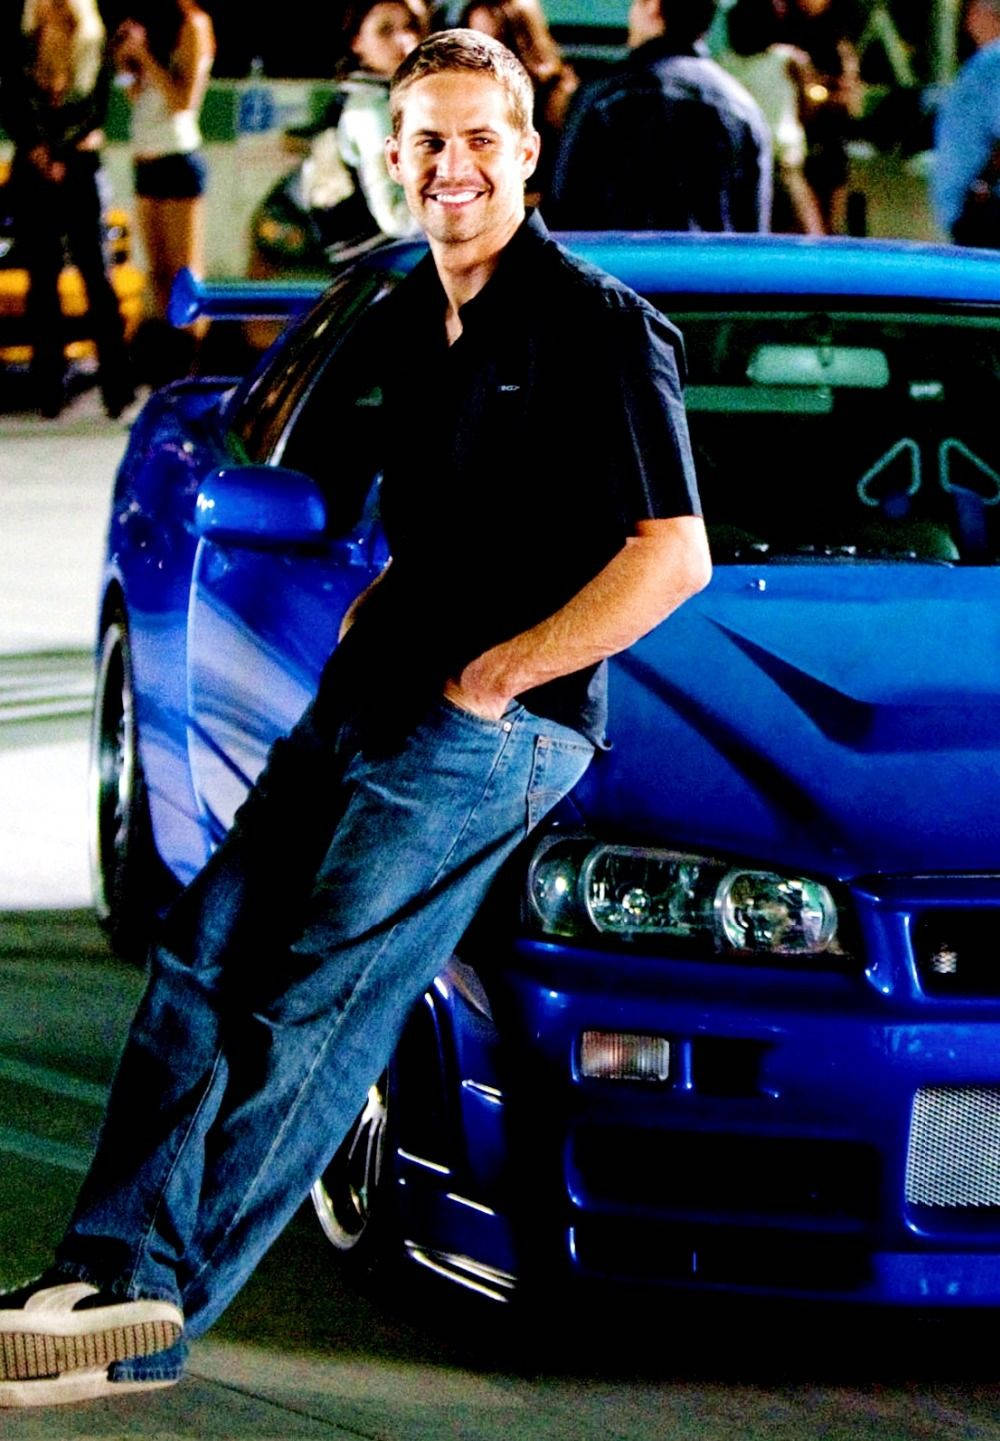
461, 161
645, 22
982, 22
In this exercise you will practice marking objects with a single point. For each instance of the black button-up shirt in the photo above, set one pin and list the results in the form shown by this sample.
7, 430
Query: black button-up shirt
667, 141
519, 460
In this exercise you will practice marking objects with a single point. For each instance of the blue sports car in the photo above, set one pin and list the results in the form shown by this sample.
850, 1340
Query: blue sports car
732, 1019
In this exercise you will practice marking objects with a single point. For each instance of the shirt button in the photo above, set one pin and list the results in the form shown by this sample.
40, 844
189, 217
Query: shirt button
508, 725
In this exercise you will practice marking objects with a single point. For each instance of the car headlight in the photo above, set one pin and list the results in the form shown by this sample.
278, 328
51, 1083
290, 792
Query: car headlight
577, 888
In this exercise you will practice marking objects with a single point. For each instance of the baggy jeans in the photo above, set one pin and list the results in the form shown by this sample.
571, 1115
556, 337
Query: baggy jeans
280, 984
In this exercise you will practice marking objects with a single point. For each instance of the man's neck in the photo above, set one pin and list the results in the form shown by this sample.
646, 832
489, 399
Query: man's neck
464, 270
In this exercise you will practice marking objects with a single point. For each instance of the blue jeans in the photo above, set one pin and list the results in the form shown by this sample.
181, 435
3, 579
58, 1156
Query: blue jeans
281, 983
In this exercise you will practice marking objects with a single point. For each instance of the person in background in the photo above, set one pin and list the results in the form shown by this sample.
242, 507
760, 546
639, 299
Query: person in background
668, 140
965, 181
777, 76
54, 97
521, 26
823, 30
164, 51
378, 37
341, 200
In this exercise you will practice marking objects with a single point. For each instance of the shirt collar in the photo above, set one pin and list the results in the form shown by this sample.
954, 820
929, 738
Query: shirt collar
662, 48
511, 274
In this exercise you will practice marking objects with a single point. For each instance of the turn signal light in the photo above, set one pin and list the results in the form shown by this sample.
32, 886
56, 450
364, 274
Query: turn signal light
624, 1056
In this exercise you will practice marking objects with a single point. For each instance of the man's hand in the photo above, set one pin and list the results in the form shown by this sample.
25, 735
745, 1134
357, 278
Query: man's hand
664, 563
486, 703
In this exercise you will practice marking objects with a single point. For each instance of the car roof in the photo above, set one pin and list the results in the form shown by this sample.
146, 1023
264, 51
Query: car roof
786, 265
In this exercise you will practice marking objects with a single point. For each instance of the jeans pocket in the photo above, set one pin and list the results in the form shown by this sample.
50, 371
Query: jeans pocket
452, 708
557, 765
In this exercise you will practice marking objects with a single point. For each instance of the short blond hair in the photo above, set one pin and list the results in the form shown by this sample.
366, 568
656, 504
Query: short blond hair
475, 53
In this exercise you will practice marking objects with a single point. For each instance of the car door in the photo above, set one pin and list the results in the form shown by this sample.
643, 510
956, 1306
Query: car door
265, 610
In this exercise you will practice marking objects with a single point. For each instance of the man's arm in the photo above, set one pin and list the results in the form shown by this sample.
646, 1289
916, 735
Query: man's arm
659, 568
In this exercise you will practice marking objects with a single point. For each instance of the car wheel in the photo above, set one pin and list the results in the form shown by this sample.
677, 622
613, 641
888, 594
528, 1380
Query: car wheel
124, 864
350, 1195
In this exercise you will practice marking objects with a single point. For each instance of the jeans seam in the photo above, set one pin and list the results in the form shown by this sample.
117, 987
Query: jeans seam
161, 1192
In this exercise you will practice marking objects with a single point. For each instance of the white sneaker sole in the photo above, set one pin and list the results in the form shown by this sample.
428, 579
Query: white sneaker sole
35, 1346
73, 1386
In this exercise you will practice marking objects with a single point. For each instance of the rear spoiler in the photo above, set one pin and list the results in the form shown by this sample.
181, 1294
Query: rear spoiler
239, 299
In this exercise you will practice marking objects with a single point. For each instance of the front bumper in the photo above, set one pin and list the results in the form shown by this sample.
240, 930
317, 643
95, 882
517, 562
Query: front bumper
824, 1135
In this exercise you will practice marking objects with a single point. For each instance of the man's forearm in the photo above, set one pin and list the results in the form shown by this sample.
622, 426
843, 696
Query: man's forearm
657, 570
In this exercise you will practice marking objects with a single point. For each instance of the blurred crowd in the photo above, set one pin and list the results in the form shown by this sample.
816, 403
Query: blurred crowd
720, 115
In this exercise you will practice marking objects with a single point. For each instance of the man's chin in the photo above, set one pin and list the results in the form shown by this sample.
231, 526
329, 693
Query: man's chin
454, 227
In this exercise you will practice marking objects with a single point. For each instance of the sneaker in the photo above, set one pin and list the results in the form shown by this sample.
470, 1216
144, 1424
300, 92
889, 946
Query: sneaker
85, 1385
52, 1333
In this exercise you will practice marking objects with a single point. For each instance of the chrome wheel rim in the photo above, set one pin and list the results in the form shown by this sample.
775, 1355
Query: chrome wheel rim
112, 768
346, 1195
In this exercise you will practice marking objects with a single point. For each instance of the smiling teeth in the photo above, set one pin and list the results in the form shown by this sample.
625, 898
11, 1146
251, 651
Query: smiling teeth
456, 197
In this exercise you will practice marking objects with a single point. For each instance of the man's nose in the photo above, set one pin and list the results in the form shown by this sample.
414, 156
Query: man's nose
452, 160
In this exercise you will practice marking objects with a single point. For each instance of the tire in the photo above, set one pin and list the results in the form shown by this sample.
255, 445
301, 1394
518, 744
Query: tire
126, 872
351, 1196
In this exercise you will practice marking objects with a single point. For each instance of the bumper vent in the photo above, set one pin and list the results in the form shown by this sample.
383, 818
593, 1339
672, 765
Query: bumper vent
953, 1158
725, 1175
632, 1250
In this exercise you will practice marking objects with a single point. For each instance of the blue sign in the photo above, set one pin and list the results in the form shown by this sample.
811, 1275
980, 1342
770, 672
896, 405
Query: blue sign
257, 111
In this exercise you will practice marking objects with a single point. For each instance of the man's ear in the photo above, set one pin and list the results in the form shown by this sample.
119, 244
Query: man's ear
392, 158
530, 151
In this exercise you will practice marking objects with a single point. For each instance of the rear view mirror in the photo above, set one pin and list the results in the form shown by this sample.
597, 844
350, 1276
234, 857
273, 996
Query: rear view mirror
851, 367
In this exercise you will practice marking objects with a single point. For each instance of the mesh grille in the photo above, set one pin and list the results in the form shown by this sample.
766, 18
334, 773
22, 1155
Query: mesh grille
954, 1152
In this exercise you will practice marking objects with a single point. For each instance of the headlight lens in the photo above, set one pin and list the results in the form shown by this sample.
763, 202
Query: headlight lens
576, 888
761, 911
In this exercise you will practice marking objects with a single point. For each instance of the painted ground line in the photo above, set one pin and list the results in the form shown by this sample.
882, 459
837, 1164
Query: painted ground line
57, 1083
50, 1153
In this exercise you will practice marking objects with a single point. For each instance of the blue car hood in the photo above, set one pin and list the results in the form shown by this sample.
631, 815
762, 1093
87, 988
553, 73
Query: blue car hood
839, 717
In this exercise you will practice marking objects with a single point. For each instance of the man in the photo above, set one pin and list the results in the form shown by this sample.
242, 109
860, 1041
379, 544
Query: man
539, 500
668, 141
965, 182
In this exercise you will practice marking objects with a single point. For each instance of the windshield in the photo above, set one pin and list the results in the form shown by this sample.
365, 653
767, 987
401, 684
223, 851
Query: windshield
845, 435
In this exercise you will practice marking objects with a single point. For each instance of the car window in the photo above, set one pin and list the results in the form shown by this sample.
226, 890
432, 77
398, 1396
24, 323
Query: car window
335, 431
263, 413
845, 435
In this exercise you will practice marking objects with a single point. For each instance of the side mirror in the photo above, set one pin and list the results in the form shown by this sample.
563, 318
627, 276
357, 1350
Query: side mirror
260, 506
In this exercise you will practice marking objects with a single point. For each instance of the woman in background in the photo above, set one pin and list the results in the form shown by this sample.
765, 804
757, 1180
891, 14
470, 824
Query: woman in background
824, 30
377, 39
54, 100
164, 51
778, 77
521, 26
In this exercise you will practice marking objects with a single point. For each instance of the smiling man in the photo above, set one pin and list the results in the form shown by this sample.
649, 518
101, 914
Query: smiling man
539, 501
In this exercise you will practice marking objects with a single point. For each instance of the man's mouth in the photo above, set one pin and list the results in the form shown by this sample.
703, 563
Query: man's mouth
454, 197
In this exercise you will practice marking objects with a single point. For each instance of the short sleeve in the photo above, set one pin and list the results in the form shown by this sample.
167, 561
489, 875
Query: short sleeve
658, 475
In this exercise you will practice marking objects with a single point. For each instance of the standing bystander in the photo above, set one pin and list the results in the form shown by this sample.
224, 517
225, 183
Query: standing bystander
966, 176
465, 698
54, 95
667, 141
164, 51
